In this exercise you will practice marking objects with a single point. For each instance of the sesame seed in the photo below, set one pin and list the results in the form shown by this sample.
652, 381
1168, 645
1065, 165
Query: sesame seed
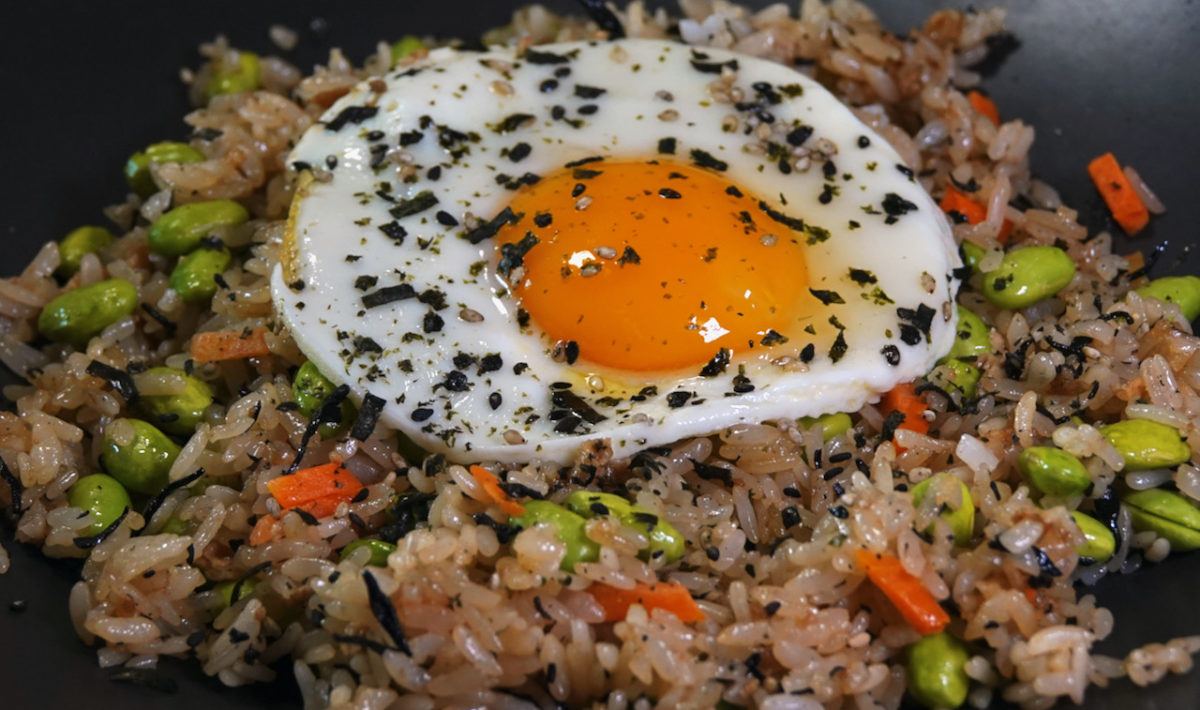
512, 436
606, 252
470, 315
668, 115
583, 202
768, 240
502, 88
664, 95
595, 382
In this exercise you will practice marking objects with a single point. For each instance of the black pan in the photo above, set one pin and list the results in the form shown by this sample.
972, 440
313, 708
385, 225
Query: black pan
85, 85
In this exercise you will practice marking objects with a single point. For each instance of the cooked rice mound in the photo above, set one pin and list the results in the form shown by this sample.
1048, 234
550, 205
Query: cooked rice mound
487, 618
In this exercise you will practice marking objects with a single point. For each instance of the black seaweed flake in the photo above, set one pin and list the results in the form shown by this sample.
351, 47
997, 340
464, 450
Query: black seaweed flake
629, 256
896, 206
487, 230
161, 497
504, 533
512, 256
568, 400
589, 92
921, 318
1045, 563
704, 159
839, 347
365, 282
167, 324
351, 114
90, 541
385, 613
717, 364
533, 56
666, 146
368, 416
709, 472
807, 353
862, 277
389, 294
330, 412
826, 297
432, 323
366, 344
417, 204
712, 67
512, 122
678, 399
585, 173
120, 380
772, 338
604, 18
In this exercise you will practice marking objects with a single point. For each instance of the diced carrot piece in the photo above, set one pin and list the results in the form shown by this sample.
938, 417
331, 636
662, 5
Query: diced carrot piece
904, 591
903, 398
1122, 200
215, 346
669, 596
491, 486
264, 530
317, 490
955, 201
984, 105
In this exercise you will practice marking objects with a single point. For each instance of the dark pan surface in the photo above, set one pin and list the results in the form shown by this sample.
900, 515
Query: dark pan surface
86, 85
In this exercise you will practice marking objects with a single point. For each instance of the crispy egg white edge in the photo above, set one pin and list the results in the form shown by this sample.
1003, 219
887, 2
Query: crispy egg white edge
845, 386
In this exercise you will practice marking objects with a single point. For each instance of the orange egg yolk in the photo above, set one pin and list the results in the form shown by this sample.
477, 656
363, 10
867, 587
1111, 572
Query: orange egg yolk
650, 266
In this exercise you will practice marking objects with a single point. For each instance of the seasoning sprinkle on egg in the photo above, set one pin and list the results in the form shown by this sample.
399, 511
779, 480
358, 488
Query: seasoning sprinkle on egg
671, 276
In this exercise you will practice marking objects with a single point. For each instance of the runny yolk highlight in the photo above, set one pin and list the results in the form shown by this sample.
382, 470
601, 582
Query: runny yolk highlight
651, 266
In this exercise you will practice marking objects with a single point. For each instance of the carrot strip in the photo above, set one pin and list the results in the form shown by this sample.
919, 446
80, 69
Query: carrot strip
491, 485
668, 596
229, 345
904, 591
264, 530
955, 201
317, 490
903, 398
984, 105
1127, 208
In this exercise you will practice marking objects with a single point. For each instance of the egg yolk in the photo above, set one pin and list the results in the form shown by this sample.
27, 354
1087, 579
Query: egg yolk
650, 266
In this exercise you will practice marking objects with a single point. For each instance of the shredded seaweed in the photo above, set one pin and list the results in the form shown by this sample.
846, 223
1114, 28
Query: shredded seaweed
120, 380
366, 643
235, 593
161, 497
86, 543
385, 613
604, 17
368, 416
709, 472
329, 413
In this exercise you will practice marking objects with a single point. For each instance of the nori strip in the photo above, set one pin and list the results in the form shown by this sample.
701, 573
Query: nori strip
160, 497
385, 613
120, 380
86, 543
368, 416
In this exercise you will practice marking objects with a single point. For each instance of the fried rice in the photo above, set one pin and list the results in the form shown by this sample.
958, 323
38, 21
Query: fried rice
486, 617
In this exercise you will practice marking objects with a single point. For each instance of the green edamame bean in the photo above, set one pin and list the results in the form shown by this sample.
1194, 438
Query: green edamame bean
1053, 471
1184, 290
193, 277
229, 78
225, 590
1028, 275
1099, 543
78, 243
937, 676
177, 413
310, 389
175, 526
379, 550
142, 464
956, 374
102, 496
971, 336
962, 518
832, 425
1146, 444
665, 540
78, 315
181, 230
137, 168
973, 254
406, 46
1169, 514
568, 529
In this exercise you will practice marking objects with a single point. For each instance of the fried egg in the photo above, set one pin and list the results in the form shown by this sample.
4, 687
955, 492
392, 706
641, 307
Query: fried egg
632, 241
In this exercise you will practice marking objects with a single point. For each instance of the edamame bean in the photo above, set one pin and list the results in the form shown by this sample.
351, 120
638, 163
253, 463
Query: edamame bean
102, 496
962, 518
971, 336
137, 168
956, 374
665, 540
1169, 514
181, 230
832, 425
194, 276
405, 46
1053, 471
1183, 290
937, 676
78, 243
225, 590
568, 529
79, 314
177, 413
1147, 444
1028, 275
973, 254
175, 526
141, 464
379, 550
1099, 543
310, 389
230, 78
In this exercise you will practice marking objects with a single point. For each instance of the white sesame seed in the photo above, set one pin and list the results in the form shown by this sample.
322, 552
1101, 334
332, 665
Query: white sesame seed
618, 54
928, 282
470, 315
502, 88
606, 252
668, 115
768, 240
596, 383
583, 202
664, 95
512, 436
589, 269
729, 124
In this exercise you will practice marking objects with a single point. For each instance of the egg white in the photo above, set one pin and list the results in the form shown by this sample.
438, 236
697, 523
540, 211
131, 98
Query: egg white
446, 128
